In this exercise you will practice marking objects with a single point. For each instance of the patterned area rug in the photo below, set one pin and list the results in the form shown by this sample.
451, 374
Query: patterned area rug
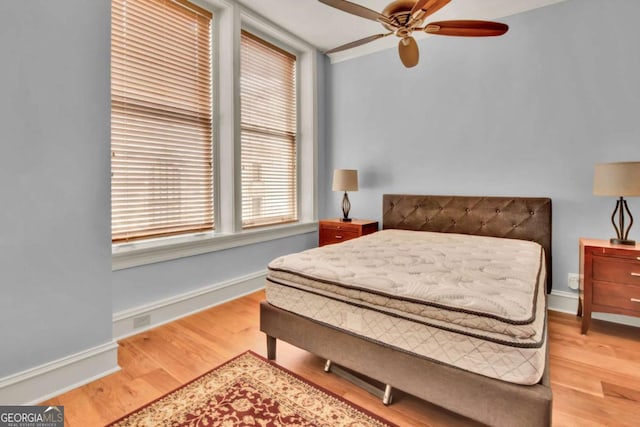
250, 391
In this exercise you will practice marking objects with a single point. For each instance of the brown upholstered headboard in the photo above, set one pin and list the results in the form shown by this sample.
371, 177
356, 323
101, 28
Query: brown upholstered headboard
525, 218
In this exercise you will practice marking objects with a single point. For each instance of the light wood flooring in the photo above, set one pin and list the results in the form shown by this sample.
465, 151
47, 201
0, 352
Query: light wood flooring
595, 378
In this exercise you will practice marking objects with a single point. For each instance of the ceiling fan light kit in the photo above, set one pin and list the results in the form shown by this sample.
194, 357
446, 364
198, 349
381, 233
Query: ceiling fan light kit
403, 17
408, 51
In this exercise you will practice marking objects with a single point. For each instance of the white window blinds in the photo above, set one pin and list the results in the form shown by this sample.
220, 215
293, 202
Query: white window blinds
268, 133
161, 119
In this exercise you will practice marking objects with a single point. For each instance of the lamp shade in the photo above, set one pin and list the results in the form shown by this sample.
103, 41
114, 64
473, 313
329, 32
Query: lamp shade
345, 180
617, 179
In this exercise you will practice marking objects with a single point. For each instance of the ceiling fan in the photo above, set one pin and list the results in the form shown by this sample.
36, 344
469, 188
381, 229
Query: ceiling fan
403, 17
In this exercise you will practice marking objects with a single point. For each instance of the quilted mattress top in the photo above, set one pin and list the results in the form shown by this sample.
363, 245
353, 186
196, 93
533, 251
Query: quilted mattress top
484, 283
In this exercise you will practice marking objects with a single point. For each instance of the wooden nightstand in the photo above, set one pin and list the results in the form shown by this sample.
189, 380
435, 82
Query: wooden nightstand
336, 231
609, 279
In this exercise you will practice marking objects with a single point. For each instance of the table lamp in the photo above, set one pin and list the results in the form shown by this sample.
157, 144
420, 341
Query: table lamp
621, 180
345, 180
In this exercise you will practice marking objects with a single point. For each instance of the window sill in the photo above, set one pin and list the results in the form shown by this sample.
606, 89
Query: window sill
127, 255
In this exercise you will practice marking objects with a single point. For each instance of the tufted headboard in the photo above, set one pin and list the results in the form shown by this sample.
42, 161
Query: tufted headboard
524, 218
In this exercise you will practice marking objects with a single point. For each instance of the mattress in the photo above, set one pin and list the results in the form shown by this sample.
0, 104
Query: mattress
477, 303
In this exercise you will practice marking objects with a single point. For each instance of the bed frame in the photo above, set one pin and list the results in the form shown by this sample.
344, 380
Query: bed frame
480, 398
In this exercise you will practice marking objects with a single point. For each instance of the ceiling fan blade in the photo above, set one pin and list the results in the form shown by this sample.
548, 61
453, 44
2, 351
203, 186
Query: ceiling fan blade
357, 43
429, 7
409, 53
356, 9
467, 28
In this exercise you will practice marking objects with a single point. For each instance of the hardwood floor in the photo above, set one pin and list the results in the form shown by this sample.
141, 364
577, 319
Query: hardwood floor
595, 378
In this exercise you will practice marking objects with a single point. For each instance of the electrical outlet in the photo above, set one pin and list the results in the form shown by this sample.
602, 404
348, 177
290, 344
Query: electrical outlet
573, 281
139, 322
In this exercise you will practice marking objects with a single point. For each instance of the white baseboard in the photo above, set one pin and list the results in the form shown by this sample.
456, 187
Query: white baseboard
43, 382
169, 309
567, 302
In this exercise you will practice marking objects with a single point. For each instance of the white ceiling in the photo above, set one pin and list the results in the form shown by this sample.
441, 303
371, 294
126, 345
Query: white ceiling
326, 27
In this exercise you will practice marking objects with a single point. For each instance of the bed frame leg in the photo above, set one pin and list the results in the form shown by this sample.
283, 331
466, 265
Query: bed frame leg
271, 347
387, 396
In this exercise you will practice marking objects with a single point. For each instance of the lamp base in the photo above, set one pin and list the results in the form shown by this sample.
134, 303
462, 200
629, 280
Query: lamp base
622, 242
622, 233
346, 207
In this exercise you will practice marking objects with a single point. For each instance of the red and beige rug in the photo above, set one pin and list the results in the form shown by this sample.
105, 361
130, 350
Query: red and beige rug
250, 391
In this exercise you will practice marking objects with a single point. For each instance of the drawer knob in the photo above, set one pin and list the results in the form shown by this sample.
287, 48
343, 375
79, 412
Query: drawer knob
635, 274
338, 237
635, 300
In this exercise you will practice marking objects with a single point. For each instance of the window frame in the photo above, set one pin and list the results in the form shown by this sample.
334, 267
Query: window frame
228, 21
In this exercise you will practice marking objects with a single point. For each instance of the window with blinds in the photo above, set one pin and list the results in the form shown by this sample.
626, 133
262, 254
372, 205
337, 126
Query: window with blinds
161, 119
268, 133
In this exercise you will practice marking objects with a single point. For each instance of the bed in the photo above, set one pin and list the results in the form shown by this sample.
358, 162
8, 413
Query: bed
379, 280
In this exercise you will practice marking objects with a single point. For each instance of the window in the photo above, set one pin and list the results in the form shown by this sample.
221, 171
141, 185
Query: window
268, 133
161, 119
186, 181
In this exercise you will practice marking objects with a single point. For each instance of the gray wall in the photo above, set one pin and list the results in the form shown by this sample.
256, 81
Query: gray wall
55, 258
528, 114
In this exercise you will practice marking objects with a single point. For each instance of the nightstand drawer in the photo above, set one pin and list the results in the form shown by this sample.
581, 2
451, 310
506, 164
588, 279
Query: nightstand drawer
618, 270
618, 296
329, 236
629, 254
338, 227
336, 231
